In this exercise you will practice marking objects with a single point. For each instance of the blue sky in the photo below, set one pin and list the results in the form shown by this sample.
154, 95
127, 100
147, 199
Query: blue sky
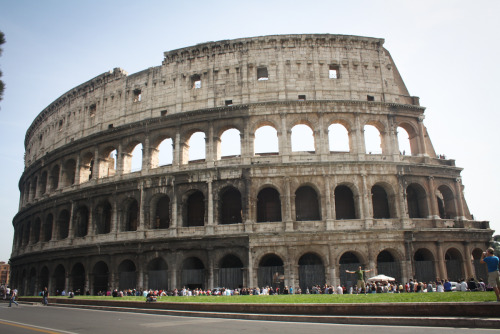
446, 51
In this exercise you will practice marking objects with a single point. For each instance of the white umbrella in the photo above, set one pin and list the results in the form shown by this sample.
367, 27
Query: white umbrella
381, 278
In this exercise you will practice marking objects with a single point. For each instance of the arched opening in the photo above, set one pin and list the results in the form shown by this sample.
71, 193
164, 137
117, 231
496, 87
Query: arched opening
479, 268
166, 152
416, 200
69, 173
344, 203
271, 272
158, 274
63, 225
43, 183
195, 209
127, 274
27, 232
32, 283
81, 220
380, 203
54, 177
454, 265
404, 142
101, 278
136, 158
446, 203
266, 141
373, 140
387, 265
193, 273
425, 270
348, 261
132, 215
268, 205
231, 272
338, 138
162, 214
196, 145
44, 278
230, 145
311, 272
59, 279
230, 206
306, 204
78, 279
102, 217
302, 139
36, 230
47, 228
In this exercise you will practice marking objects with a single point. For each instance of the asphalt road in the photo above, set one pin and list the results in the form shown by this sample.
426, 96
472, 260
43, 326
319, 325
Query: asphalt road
52, 319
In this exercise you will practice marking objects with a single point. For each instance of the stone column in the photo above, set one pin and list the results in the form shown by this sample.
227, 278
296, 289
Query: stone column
287, 198
177, 154
459, 201
142, 204
366, 203
284, 137
441, 264
210, 208
421, 136
119, 160
469, 269
431, 198
146, 155
71, 221
96, 169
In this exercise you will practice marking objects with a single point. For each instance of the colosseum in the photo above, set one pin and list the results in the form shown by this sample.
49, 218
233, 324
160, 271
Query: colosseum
241, 163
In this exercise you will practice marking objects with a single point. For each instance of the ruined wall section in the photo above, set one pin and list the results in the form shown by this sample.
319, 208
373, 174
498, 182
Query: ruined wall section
216, 74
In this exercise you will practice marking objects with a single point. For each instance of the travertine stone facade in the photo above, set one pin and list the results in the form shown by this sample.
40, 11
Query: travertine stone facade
89, 220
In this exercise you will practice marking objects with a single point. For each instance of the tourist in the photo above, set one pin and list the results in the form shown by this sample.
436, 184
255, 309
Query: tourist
13, 295
45, 296
360, 276
492, 261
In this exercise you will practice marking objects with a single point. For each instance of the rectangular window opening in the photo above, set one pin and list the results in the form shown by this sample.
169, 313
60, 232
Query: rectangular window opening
163, 112
302, 97
333, 72
229, 102
262, 74
137, 95
196, 81
370, 98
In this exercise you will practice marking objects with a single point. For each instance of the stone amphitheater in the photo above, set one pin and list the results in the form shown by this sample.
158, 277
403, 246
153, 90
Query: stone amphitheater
267, 213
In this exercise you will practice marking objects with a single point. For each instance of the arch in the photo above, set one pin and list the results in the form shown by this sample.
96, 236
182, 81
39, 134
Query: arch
78, 279
307, 204
100, 274
43, 182
479, 268
69, 172
425, 270
416, 200
193, 273
338, 138
157, 274
404, 143
268, 205
27, 232
302, 138
131, 215
81, 220
44, 278
136, 158
230, 206
409, 137
446, 202
162, 213
388, 265
271, 271
32, 283
231, 272
36, 230
127, 275
63, 225
165, 152
373, 139
266, 140
59, 278
195, 209
344, 203
47, 228
349, 261
454, 264
380, 203
54, 177
196, 147
311, 271
102, 218
230, 144
86, 167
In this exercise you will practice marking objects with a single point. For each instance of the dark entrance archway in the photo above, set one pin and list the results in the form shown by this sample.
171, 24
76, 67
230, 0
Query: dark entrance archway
101, 278
231, 272
387, 265
78, 279
268, 205
157, 275
128, 276
271, 272
193, 273
311, 272
454, 265
348, 261
425, 270
59, 279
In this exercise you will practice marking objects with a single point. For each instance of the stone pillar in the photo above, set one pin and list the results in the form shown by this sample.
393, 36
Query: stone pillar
119, 160
146, 155
284, 137
78, 169
177, 154
71, 221
469, 269
175, 222
459, 201
421, 137
142, 205
359, 138
114, 218
96, 169
431, 198
287, 198
366, 203
210, 207
211, 152
328, 205
441, 265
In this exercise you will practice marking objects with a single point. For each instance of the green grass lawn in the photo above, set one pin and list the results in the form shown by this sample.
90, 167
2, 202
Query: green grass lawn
323, 299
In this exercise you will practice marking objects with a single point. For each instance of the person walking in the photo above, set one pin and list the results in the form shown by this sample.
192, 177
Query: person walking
13, 295
488, 257
360, 276
45, 296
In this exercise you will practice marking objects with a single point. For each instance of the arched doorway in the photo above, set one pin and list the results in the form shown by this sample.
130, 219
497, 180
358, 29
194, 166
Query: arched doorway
311, 271
306, 204
231, 272
193, 273
157, 275
101, 277
268, 205
479, 268
454, 265
425, 270
348, 261
78, 279
59, 279
271, 272
126, 271
387, 265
